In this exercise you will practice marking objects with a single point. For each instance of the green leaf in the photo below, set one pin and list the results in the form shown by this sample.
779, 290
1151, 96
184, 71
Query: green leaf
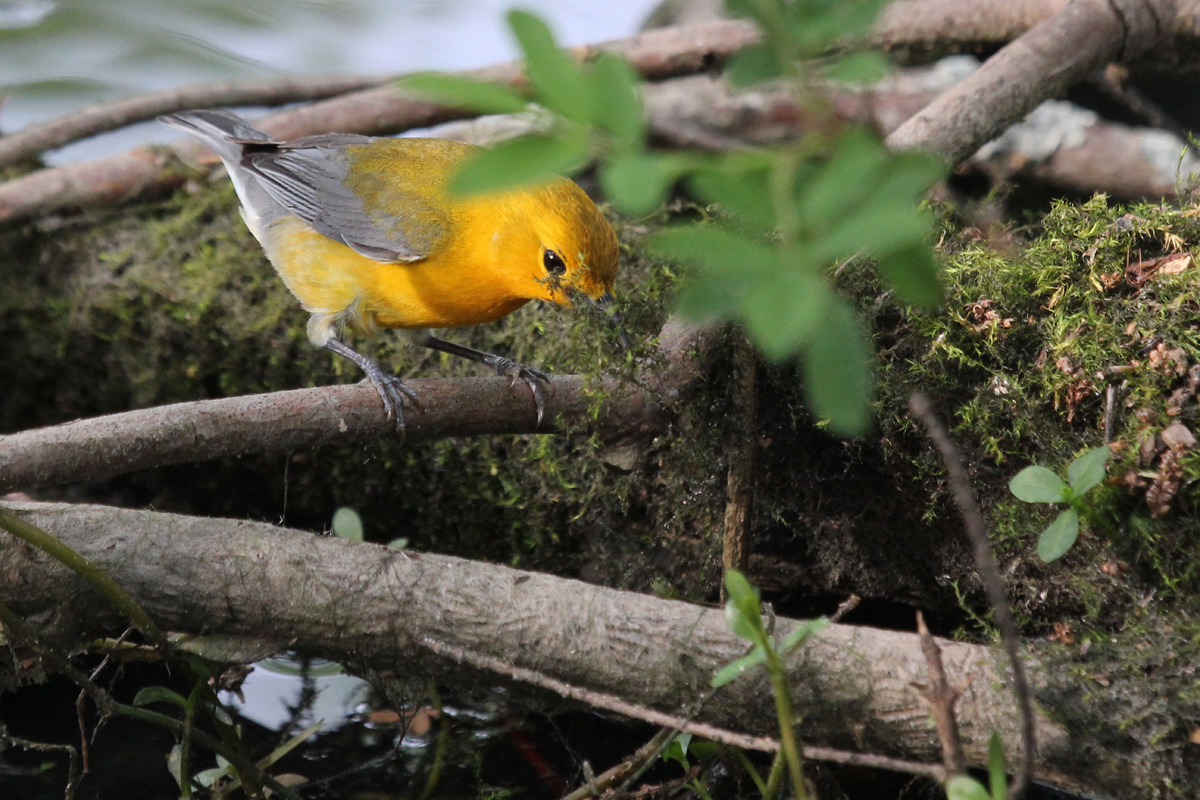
1088, 470
517, 162
459, 92
888, 216
174, 760
1036, 484
639, 182
159, 694
783, 309
677, 750
617, 103
725, 263
997, 777
739, 183
960, 787
735, 669
715, 249
743, 595
1059, 536
347, 524
801, 634
764, 12
814, 27
757, 63
867, 66
555, 75
837, 372
846, 180
913, 273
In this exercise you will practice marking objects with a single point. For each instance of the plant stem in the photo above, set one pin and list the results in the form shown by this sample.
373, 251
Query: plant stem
787, 732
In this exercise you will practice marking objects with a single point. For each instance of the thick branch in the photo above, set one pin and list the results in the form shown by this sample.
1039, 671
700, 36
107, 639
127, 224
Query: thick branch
92, 449
374, 607
1045, 62
381, 111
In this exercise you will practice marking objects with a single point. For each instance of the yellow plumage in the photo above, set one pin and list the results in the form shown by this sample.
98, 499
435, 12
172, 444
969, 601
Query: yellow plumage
364, 233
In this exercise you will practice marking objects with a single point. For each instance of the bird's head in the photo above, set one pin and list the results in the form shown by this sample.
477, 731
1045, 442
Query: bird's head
576, 251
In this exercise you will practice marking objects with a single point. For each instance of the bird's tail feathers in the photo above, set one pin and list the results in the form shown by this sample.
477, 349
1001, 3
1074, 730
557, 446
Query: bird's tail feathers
221, 130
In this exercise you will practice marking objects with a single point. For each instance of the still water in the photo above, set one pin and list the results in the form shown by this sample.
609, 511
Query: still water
59, 55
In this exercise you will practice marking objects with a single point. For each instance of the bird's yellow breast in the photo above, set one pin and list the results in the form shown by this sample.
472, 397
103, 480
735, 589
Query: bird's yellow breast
467, 281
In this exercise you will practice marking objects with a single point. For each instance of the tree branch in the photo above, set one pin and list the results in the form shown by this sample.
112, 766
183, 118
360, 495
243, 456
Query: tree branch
100, 447
374, 607
1043, 63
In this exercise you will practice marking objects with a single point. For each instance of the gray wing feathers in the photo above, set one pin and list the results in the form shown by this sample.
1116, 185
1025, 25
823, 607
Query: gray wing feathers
306, 178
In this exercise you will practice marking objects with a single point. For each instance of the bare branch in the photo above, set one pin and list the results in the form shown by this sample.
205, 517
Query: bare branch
941, 700
932, 28
741, 450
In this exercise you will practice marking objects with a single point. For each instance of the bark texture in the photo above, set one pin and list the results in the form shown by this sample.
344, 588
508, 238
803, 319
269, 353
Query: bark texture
370, 606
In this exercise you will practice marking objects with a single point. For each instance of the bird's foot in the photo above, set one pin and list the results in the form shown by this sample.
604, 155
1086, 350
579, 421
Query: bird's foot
392, 392
535, 378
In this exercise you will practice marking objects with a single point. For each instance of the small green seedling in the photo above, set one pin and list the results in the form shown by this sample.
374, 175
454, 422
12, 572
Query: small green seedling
743, 612
347, 524
962, 787
1037, 484
678, 750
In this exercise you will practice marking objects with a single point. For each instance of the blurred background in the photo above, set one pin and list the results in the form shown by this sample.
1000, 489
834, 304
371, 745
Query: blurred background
59, 55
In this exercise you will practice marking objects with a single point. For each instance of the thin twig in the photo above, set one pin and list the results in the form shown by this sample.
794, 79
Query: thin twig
611, 777
985, 562
83, 737
711, 732
73, 773
941, 699
845, 607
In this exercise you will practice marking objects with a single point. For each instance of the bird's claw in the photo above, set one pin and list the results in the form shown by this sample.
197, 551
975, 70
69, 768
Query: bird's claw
534, 378
392, 392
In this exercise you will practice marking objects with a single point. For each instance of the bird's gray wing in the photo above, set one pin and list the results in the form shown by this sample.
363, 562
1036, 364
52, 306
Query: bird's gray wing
308, 178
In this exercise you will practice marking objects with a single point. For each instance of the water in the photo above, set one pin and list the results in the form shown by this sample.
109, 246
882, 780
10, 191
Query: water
56, 56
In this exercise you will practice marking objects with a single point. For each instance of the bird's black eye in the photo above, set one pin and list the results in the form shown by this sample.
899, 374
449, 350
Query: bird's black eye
554, 263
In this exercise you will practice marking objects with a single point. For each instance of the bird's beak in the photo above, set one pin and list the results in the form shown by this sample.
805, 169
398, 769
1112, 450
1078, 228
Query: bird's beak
608, 304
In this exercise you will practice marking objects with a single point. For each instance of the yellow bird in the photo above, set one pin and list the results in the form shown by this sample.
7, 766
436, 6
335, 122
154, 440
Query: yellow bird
365, 235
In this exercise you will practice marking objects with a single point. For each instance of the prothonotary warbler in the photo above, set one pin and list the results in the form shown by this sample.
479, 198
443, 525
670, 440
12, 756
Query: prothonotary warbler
364, 233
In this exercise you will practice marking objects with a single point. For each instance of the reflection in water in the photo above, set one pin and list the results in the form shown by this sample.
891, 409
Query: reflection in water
294, 692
